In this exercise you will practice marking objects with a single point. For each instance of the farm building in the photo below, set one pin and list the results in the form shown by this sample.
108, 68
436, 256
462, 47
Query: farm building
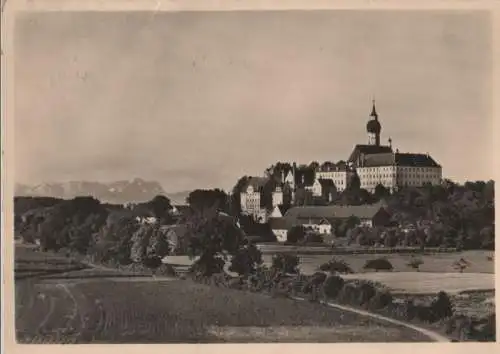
322, 218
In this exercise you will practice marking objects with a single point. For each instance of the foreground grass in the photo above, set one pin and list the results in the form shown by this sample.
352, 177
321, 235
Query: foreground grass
96, 307
104, 311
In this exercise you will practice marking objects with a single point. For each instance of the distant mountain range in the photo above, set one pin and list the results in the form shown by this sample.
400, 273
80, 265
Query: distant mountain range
118, 192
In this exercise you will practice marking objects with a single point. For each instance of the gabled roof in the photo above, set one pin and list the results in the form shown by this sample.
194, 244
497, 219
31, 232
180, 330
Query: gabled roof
415, 160
368, 150
334, 211
280, 223
399, 159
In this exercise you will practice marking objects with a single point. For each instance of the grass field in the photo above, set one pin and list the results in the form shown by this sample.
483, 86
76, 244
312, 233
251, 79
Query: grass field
440, 263
82, 309
429, 283
180, 311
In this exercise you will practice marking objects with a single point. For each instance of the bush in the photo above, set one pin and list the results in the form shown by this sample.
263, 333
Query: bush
485, 329
378, 264
314, 281
366, 292
152, 262
285, 263
313, 237
246, 260
442, 306
332, 286
348, 294
425, 313
336, 265
382, 299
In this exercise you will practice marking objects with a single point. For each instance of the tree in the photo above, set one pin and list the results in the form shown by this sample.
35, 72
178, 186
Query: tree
212, 237
152, 262
235, 199
296, 234
381, 192
201, 199
352, 221
113, 240
378, 264
160, 207
461, 264
285, 263
314, 165
332, 286
442, 306
246, 260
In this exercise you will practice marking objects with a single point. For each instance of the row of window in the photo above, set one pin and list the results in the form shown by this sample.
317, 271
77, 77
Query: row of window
363, 170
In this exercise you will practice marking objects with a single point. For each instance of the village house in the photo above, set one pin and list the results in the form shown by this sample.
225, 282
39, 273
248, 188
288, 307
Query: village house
322, 218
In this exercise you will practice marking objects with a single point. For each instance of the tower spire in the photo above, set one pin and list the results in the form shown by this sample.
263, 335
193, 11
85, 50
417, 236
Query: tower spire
374, 111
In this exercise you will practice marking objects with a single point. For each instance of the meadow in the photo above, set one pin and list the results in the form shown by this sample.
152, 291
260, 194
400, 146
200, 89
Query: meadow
80, 309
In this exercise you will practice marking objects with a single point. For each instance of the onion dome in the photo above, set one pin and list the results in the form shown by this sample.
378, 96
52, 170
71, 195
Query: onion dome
373, 125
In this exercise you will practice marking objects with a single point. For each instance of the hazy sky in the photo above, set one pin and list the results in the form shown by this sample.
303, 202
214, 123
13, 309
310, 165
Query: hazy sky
199, 99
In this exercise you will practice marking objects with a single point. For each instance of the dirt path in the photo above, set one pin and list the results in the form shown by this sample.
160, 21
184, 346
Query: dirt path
431, 334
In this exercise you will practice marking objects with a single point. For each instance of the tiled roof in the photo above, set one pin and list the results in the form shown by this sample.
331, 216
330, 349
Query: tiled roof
400, 159
383, 159
368, 150
415, 160
333, 211
280, 223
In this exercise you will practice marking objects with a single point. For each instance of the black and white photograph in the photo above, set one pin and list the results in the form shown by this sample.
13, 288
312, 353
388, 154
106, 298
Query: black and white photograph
252, 176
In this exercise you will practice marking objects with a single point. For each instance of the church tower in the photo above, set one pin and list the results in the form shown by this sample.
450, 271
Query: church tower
373, 128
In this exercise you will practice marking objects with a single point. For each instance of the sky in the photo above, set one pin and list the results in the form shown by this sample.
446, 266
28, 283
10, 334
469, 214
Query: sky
198, 99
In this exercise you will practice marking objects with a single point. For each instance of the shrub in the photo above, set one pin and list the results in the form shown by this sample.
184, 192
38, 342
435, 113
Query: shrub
378, 264
246, 260
166, 270
336, 265
332, 286
366, 292
314, 281
425, 313
485, 330
442, 306
285, 263
152, 262
313, 237
348, 293
382, 299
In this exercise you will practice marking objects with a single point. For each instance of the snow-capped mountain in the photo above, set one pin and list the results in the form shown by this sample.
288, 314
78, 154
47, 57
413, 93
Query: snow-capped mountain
119, 192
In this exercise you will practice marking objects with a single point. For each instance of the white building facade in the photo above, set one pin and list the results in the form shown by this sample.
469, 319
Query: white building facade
399, 170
